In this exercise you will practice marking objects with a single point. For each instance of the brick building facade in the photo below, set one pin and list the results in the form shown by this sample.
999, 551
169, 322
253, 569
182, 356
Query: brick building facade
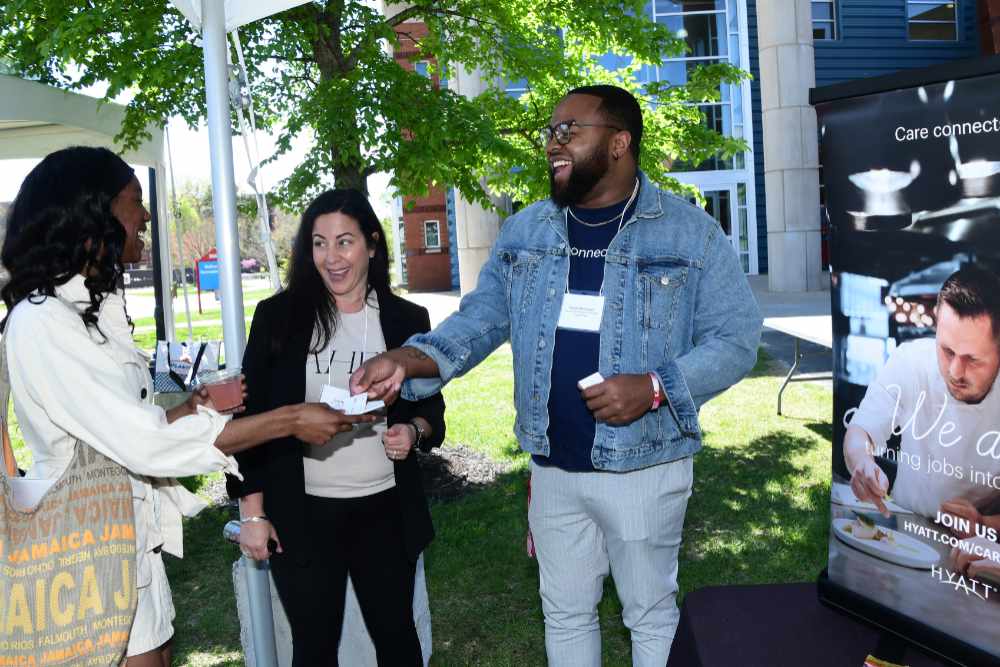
426, 248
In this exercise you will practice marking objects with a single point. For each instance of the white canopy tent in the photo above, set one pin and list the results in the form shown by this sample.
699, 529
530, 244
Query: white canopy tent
236, 12
36, 119
214, 19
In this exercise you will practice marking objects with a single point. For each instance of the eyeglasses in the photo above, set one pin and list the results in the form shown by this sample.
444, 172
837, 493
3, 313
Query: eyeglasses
562, 132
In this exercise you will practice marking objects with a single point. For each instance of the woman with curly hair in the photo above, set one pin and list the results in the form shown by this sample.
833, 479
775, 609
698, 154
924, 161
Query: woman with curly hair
75, 373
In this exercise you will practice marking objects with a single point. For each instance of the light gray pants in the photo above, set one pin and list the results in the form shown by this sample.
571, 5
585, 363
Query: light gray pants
587, 524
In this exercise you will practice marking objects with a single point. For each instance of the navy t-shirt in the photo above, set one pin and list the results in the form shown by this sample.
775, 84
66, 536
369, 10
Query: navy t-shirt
576, 353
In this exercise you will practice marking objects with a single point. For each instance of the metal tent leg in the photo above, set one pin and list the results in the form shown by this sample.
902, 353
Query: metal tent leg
791, 372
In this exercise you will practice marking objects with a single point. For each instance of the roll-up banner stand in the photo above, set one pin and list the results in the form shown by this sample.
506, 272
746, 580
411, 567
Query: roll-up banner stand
911, 178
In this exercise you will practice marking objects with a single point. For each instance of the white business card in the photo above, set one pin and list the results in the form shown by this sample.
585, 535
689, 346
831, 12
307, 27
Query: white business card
341, 399
590, 381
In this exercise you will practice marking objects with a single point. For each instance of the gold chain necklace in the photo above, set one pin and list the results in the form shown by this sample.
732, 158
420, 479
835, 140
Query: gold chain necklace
592, 224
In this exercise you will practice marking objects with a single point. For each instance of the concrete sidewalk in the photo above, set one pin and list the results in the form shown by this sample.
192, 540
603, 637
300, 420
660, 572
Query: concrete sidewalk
789, 304
815, 358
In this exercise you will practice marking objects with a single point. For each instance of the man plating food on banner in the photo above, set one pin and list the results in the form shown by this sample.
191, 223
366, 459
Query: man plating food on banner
940, 396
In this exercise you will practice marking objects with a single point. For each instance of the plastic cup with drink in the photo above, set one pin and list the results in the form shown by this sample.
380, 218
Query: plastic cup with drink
225, 388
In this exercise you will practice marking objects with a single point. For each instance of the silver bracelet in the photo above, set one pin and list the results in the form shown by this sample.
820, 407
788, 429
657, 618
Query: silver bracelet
255, 519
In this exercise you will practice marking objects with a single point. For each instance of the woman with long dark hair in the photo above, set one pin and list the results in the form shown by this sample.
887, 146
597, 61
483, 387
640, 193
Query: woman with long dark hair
76, 375
356, 505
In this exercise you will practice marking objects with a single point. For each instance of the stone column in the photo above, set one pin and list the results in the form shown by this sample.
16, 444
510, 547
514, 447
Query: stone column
791, 150
475, 231
475, 228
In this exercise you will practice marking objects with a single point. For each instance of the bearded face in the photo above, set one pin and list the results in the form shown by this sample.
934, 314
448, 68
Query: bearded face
569, 184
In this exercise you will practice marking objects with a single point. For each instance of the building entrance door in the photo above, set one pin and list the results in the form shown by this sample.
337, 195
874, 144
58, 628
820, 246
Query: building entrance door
721, 203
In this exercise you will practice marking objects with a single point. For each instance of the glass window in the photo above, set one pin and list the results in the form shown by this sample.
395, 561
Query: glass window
932, 32
928, 20
432, 234
677, 6
930, 11
677, 72
705, 34
422, 67
712, 30
516, 88
717, 205
824, 19
717, 117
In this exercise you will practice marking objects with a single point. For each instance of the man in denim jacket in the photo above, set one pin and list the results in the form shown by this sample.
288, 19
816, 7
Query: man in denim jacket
616, 276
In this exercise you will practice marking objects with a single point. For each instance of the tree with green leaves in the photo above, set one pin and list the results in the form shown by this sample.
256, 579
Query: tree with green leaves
195, 221
326, 69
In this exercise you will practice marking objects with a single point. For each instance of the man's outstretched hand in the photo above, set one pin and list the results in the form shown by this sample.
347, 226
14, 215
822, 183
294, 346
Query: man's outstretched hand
381, 377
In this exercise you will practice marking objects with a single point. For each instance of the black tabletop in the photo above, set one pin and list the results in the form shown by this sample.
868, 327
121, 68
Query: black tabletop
779, 625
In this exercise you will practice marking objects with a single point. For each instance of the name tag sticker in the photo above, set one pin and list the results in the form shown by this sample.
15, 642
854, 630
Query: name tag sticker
581, 312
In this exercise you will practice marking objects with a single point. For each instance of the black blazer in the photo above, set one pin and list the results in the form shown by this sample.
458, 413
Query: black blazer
275, 380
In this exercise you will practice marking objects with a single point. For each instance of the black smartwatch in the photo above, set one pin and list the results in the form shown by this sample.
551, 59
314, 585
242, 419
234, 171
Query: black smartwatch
421, 433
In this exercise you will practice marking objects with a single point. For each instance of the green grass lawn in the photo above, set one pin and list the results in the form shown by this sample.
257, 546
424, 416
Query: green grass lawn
180, 319
759, 513
147, 340
211, 312
248, 294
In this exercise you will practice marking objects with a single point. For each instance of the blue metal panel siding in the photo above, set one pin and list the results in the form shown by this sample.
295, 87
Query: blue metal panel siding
758, 136
872, 41
452, 242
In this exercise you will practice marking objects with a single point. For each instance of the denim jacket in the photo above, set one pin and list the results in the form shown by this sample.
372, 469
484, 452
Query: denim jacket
676, 303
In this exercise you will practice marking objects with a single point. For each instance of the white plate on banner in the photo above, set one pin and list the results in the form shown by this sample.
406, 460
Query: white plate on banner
842, 494
905, 550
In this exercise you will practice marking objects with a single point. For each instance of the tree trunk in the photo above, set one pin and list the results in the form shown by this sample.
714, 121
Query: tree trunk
350, 176
332, 64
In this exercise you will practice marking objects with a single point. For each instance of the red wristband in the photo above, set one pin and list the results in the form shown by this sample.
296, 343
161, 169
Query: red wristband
657, 391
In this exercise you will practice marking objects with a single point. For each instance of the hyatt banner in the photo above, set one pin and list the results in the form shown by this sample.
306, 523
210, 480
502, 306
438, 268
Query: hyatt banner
912, 192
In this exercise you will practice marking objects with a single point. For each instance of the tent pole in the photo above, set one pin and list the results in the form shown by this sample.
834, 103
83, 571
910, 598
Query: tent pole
223, 183
158, 291
213, 33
